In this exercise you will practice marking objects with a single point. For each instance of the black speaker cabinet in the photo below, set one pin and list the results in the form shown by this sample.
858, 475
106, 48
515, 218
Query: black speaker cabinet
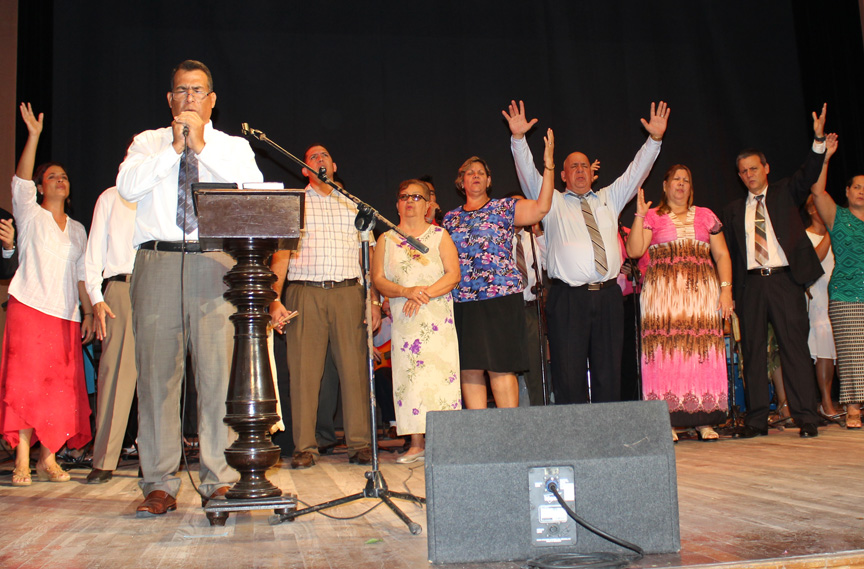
485, 473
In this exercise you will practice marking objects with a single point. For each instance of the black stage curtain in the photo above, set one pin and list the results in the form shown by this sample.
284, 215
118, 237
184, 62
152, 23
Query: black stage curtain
400, 89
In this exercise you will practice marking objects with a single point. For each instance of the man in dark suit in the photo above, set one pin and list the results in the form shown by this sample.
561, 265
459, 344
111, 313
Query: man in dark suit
773, 261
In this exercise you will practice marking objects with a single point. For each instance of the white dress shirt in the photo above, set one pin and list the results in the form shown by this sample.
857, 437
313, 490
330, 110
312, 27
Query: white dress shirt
570, 256
148, 176
329, 241
776, 256
50, 260
109, 247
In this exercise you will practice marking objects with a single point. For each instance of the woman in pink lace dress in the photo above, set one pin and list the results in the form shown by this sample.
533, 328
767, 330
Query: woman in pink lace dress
683, 304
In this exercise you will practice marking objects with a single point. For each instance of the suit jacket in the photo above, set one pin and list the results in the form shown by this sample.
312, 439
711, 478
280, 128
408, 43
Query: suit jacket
10, 265
783, 202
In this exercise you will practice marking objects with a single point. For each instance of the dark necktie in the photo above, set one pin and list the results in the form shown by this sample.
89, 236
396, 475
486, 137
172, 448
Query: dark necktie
188, 176
761, 240
596, 238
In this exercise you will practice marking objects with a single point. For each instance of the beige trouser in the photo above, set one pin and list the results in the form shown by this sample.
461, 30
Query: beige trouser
117, 375
334, 316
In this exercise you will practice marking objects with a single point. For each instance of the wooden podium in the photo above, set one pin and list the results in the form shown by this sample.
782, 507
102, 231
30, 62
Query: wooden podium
249, 225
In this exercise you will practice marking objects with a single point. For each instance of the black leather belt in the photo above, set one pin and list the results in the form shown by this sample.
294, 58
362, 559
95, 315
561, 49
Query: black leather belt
124, 278
589, 286
327, 284
172, 246
767, 271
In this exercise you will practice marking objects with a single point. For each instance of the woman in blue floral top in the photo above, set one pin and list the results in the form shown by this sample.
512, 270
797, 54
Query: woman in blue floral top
488, 309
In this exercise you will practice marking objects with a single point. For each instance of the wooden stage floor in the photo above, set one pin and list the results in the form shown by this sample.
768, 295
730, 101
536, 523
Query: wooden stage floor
770, 502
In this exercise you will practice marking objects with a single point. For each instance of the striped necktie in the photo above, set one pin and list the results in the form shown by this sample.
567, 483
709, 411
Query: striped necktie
596, 238
761, 240
188, 175
520, 260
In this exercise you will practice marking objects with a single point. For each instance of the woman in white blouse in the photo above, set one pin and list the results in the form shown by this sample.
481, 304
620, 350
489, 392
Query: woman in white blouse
43, 396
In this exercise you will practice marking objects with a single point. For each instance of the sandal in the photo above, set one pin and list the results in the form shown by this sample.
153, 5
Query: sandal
21, 477
674, 436
707, 434
52, 474
853, 421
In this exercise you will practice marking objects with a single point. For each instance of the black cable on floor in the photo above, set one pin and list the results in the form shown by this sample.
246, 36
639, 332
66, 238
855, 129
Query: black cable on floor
582, 560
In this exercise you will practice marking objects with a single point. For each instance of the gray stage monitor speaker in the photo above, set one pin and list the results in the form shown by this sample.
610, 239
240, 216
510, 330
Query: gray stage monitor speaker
479, 462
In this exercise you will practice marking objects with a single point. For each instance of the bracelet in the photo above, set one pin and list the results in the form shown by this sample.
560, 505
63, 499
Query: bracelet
819, 138
642, 216
656, 139
725, 283
377, 303
548, 167
88, 314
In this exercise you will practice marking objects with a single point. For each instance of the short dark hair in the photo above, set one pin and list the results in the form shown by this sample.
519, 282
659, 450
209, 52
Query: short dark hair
464, 167
852, 180
193, 65
747, 153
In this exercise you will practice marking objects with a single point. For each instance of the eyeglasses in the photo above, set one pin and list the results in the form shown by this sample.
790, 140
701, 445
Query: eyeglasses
412, 197
198, 93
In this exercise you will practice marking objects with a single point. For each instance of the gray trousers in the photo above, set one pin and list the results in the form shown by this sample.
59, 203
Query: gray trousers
161, 357
117, 374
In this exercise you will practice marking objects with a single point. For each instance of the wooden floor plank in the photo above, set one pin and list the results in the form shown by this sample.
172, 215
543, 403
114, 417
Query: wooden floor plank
765, 503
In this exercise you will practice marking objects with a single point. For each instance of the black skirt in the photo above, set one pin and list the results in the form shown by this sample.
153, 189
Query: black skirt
492, 334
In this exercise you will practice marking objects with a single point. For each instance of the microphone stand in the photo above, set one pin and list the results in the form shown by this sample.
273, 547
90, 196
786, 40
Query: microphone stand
376, 485
539, 294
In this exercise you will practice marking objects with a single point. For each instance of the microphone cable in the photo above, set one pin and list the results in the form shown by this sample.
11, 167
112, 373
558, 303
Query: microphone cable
184, 340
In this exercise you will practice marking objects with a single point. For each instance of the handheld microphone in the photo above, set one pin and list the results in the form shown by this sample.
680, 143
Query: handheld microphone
185, 130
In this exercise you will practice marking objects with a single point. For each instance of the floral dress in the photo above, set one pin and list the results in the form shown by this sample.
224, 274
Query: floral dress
683, 352
425, 354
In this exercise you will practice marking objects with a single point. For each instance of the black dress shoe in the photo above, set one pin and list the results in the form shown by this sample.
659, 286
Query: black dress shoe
808, 430
302, 460
97, 476
749, 431
363, 456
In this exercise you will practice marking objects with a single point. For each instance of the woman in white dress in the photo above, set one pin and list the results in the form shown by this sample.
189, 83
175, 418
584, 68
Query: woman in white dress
425, 354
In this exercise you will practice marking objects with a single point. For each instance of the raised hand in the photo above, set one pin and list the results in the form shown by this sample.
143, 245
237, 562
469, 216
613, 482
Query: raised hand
549, 149
819, 122
642, 207
831, 143
515, 115
34, 124
656, 126
595, 167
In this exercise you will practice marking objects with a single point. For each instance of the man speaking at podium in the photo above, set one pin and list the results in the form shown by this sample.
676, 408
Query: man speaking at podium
159, 169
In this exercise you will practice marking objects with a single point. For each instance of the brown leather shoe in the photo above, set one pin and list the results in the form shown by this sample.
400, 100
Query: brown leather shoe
363, 456
302, 460
217, 493
156, 503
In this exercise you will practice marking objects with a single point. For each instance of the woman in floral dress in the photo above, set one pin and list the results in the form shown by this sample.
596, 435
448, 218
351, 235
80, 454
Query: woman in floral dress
424, 350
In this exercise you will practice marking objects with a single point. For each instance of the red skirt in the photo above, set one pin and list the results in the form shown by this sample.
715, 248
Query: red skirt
42, 385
